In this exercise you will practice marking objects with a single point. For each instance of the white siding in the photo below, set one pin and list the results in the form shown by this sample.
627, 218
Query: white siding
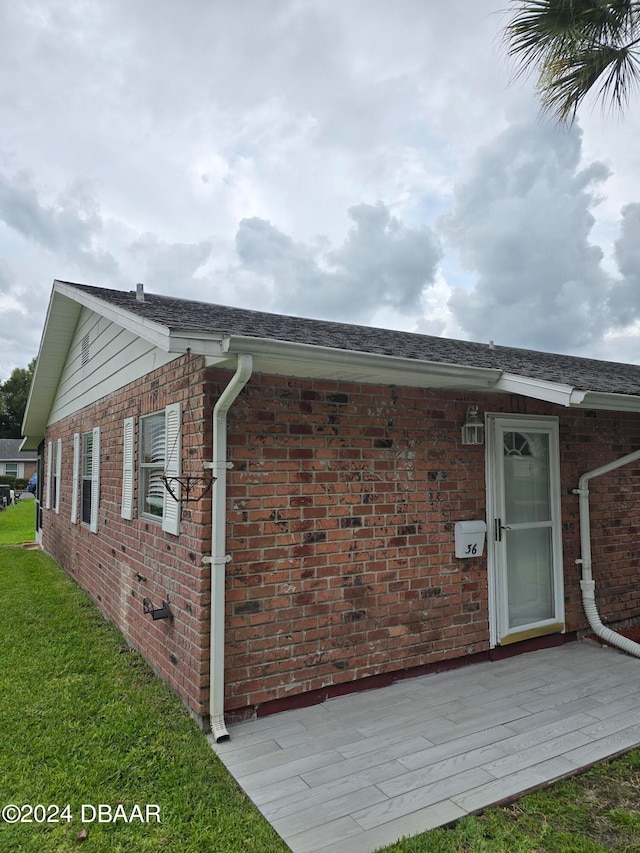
112, 358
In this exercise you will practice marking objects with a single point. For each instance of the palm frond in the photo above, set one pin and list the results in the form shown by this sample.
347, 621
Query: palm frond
571, 44
563, 85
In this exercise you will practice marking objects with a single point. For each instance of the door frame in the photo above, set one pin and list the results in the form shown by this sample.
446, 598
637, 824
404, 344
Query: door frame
519, 423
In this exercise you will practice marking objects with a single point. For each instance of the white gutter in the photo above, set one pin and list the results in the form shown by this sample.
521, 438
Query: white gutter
219, 557
587, 584
314, 361
611, 402
539, 389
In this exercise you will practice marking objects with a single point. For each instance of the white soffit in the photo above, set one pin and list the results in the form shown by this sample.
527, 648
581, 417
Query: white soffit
60, 324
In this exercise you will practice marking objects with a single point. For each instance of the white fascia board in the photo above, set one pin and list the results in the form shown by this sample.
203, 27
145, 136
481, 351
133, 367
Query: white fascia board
311, 361
540, 389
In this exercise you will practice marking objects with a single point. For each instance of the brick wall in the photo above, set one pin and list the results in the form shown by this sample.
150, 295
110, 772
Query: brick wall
127, 561
342, 506
587, 441
341, 510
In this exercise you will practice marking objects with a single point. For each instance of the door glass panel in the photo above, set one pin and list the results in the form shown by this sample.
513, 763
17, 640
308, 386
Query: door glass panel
526, 477
529, 576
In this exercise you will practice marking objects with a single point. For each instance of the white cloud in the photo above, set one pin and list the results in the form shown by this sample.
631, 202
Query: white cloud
70, 225
624, 299
522, 222
381, 264
237, 152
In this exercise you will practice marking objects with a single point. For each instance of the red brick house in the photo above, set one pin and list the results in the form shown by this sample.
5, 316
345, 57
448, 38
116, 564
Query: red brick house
269, 507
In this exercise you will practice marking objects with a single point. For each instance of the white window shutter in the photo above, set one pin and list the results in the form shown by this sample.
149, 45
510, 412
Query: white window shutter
173, 452
56, 497
128, 468
75, 478
95, 480
49, 461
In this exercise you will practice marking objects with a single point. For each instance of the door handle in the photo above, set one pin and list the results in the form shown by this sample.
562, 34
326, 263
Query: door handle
498, 527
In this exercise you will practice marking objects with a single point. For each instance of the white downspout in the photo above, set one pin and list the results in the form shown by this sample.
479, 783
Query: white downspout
219, 557
587, 584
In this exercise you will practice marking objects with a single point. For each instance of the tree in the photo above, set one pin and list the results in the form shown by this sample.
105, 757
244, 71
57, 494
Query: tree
575, 46
13, 400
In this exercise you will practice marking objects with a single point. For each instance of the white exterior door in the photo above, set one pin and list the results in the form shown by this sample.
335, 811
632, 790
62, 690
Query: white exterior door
524, 528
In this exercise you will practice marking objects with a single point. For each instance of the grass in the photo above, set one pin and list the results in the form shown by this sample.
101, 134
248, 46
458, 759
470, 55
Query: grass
84, 720
594, 812
18, 522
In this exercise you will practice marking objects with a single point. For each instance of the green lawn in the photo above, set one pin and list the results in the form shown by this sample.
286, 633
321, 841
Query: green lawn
18, 522
83, 720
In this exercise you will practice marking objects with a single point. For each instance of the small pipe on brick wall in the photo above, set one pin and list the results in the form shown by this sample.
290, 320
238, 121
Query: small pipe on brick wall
219, 557
587, 584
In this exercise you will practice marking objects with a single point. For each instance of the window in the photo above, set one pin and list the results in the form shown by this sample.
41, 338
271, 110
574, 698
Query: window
11, 469
152, 452
159, 453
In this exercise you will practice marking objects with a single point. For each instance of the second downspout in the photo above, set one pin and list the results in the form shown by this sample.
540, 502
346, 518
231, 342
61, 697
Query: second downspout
587, 584
219, 557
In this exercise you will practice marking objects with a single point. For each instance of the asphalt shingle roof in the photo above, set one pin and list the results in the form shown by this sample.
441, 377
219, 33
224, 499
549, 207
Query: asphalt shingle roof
189, 315
10, 450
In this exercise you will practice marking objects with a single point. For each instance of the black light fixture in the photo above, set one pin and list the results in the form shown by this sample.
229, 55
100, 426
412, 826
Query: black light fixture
157, 612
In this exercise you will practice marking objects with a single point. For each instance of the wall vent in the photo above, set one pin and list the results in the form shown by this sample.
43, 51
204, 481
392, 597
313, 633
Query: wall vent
85, 354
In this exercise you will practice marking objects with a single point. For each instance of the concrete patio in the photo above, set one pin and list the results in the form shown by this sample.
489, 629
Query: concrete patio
360, 771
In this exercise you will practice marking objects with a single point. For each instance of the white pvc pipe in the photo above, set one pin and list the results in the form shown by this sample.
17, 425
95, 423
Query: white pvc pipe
587, 584
219, 557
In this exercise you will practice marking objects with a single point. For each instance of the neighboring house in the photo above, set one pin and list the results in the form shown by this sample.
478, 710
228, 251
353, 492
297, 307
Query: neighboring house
322, 474
14, 462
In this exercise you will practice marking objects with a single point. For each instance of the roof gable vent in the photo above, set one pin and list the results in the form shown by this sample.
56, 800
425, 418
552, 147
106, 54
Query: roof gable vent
85, 353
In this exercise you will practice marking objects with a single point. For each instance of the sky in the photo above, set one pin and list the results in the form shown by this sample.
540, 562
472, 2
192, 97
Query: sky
366, 161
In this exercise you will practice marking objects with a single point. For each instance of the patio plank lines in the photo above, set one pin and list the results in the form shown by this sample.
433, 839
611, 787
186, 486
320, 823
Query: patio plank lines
360, 771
